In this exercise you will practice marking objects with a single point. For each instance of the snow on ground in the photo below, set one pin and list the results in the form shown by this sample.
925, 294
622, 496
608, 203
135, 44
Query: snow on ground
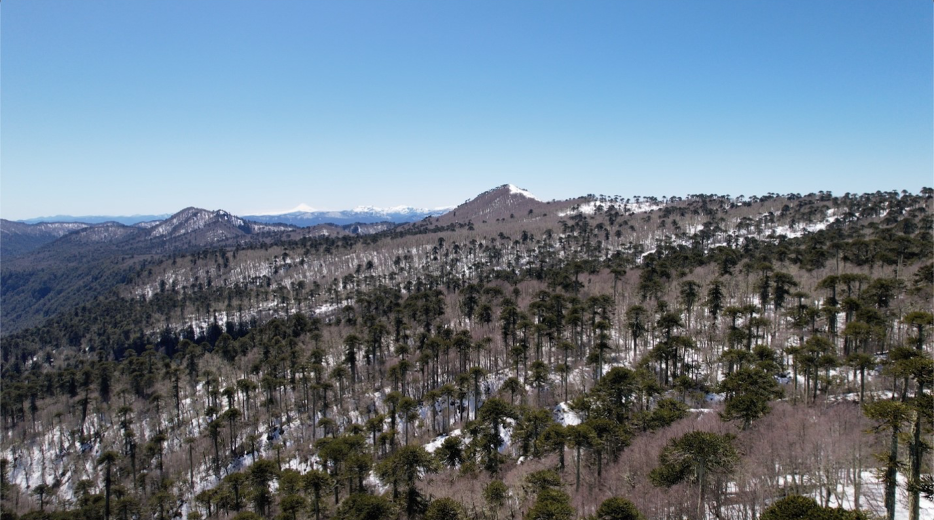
437, 441
519, 191
642, 207
587, 209
505, 431
565, 416
714, 398
802, 229
373, 482
872, 498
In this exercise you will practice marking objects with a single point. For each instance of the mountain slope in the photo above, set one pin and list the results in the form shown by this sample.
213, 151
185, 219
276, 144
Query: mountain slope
480, 344
17, 238
60, 266
503, 202
189, 228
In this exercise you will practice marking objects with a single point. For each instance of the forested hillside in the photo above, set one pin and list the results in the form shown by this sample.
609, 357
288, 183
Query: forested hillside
599, 357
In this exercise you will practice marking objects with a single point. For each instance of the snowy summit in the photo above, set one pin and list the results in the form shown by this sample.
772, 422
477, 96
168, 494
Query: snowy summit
519, 191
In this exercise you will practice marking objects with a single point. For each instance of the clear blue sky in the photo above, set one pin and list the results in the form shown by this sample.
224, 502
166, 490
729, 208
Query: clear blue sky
147, 107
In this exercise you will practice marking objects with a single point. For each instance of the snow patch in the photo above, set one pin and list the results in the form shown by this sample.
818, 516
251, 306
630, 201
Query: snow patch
565, 416
436, 443
515, 190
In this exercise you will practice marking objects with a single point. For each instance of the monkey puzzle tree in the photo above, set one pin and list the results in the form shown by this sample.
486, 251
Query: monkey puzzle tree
493, 414
636, 318
451, 452
613, 394
351, 343
693, 458
748, 392
860, 362
361, 506
495, 494
551, 504
405, 467
408, 410
580, 436
919, 320
476, 373
513, 386
909, 366
618, 508
335, 452
445, 509
539, 378
796, 507
554, 438
107, 459
317, 483
261, 473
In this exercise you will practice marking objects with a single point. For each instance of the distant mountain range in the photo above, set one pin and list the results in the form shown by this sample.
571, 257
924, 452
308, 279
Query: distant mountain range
17, 238
49, 266
189, 228
194, 227
305, 217
97, 219
199, 227
302, 216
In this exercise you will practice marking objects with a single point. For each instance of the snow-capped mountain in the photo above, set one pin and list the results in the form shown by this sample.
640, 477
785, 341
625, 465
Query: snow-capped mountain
305, 216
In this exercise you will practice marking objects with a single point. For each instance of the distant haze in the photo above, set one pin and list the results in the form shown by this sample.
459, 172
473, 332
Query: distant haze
97, 219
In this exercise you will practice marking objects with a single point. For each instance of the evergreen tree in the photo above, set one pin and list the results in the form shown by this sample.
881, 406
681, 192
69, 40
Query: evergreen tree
747, 395
617, 508
445, 509
551, 504
694, 457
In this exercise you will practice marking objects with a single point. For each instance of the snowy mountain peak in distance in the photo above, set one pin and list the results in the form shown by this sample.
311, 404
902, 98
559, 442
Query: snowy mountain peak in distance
301, 208
305, 215
397, 210
304, 208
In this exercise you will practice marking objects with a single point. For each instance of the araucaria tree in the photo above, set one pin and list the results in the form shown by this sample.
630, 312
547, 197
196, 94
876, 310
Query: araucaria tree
695, 457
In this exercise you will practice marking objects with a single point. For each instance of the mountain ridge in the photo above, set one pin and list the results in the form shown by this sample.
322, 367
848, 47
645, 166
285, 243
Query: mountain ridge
357, 215
301, 216
127, 220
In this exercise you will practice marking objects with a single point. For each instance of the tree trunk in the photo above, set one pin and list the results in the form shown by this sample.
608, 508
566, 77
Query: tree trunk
107, 494
191, 468
891, 477
914, 463
794, 368
862, 384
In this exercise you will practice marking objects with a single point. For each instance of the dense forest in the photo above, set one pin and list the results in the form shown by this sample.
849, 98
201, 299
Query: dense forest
602, 357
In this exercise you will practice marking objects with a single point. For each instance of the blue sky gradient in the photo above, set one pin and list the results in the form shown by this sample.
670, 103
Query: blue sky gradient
148, 107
